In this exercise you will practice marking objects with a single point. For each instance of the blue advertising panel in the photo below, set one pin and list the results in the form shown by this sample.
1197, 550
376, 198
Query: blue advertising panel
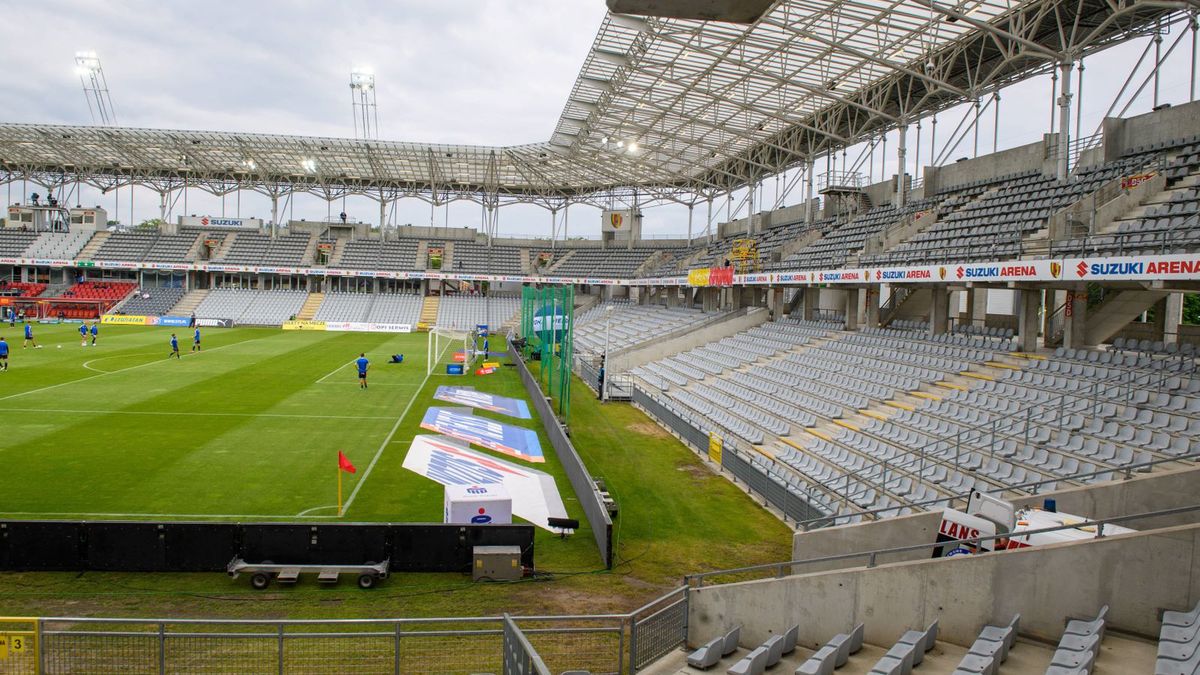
454, 369
460, 423
177, 321
484, 401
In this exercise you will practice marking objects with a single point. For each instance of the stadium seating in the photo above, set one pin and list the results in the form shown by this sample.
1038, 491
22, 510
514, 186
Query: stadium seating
130, 245
619, 262
1043, 420
846, 238
259, 249
14, 242
380, 255
152, 301
467, 312
483, 259
630, 325
397, 308
21, 289
266, 308
58, 245
1179, 643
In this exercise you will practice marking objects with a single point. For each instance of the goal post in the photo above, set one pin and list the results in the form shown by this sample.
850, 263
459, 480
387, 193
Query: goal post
442, 339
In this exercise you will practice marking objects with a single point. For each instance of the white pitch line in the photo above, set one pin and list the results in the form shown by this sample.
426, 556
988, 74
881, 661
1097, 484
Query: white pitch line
388, 438
333, 371
305, 512
256, 516
198, 414
114, 372
87, 364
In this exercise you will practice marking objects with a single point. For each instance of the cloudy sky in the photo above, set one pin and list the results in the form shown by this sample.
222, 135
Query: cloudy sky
489, 72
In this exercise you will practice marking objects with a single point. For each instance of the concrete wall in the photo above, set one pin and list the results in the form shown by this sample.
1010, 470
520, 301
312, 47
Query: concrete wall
1178, 121
1023, 158
689, 339
1143, 493
1135, 574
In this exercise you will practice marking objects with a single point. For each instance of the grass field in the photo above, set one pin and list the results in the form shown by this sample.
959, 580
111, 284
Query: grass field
250, 429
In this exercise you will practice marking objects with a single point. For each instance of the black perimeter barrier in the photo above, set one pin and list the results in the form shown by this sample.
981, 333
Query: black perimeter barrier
118, 546
577, 473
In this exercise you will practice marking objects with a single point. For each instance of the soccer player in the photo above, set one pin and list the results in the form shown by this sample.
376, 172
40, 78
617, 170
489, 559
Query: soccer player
95, 332
485, 349
3, 355
362, 364
29, 338
174, 347
83, 334
196, 340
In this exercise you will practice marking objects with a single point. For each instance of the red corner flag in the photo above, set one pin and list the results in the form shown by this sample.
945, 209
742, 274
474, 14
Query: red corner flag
344, 463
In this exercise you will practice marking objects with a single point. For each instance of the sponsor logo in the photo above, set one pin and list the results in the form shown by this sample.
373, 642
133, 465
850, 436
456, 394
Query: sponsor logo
997, 272
942, 273
124, 320
1081, 269
303, 325
481, 519
903, 274
1055, 269
214, 323
476, 490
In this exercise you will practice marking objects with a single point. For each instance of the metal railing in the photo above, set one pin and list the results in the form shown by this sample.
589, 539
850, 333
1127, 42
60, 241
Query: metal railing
788, 568
520, 658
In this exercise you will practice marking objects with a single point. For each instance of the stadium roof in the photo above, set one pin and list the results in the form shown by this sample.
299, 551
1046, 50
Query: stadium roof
664, 105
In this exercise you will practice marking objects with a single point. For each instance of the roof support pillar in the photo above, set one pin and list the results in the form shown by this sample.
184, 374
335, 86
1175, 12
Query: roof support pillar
809, 208
274, 214
902, 161
1064, 120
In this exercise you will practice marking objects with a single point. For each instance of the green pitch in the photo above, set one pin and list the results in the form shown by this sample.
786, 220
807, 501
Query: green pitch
248, 428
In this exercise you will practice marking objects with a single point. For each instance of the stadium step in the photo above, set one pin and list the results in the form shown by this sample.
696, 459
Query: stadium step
94, 245
189, 302
429, 312
311, 304
559, 260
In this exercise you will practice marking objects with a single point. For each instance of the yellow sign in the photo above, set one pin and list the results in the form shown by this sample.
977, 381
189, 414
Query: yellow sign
491, 364
698, 277
304, 325
714, 448
616, 220
123, 320
19, 642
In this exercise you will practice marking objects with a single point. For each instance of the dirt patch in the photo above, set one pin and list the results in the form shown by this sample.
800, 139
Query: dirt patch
648, 429
695, 470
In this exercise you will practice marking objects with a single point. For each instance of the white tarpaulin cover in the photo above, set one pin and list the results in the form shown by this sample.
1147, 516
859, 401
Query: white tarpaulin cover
450, 462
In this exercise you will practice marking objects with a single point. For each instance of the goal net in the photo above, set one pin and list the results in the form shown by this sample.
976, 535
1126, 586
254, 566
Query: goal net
449, 345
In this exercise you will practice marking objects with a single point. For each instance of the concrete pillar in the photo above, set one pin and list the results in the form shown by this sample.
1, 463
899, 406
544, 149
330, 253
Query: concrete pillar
1172, 317
1029, 302
871, 307
939, 310
852, 309
812, 302
977, 307
1064, 121
901, 195
1075, 318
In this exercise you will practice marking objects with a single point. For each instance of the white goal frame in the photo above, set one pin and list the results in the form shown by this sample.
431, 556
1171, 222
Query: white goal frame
441, 338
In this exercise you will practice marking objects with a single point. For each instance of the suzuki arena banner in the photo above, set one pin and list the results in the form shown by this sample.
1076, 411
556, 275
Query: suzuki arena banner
534, 495
1140, 268
505, 438
483, 400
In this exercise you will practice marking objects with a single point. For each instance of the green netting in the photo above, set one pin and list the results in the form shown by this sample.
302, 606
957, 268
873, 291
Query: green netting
548, 325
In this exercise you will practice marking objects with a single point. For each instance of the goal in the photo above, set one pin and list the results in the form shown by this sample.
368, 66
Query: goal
444, 343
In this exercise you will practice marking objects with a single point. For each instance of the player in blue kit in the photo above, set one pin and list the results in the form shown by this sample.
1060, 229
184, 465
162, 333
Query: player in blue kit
29, 338
174, 347
83, 335
3, 355
95, 332
362, 364
196, 340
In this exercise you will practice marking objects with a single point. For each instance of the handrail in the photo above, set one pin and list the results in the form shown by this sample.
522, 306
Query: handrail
872, 555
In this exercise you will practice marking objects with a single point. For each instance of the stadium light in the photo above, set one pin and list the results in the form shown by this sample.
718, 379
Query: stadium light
309, 165
633, 147
95, 87
362, 102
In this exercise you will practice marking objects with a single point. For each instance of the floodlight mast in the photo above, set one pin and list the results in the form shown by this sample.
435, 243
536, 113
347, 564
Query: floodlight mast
362, 103
95, 88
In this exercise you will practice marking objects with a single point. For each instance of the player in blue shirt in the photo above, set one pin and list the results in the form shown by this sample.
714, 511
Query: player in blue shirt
29, 338
174, 347
3, 355
83, 335
196, 340
362, 364
95, 332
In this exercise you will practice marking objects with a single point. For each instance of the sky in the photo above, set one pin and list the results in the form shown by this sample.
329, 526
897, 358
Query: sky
488, 72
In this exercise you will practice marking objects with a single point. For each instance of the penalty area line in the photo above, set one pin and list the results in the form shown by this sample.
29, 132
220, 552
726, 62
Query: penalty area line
388, 438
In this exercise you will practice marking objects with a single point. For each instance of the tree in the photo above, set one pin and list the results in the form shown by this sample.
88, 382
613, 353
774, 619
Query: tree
152, 224
1191, 308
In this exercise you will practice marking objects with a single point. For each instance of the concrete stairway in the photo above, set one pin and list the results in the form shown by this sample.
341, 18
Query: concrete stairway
311, 304
223, 249
526, 265
422, 256
339, 249
560, 258
448, 256
310, 251
429, 312
89, 249
189, 302
1116, 312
